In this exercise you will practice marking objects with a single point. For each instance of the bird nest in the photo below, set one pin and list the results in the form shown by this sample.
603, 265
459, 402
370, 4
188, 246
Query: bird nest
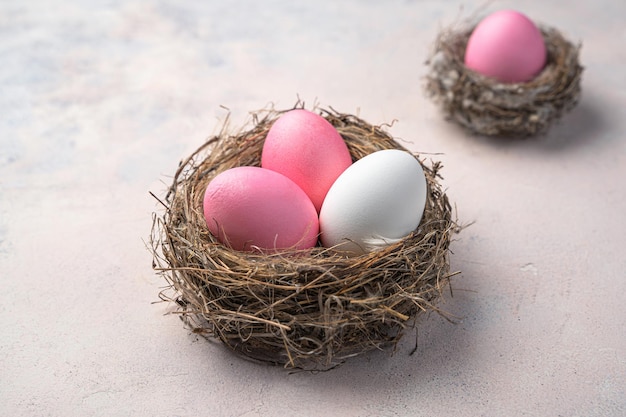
486, 106
302, 309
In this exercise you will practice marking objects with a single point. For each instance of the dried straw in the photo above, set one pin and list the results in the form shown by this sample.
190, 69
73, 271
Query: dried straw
310, 309
485, 106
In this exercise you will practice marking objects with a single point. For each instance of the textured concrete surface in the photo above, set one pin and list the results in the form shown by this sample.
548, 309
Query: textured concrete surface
99, 100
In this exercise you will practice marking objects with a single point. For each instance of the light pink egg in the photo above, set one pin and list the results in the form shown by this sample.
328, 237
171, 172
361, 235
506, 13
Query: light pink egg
248, 207
507, 46
306, 148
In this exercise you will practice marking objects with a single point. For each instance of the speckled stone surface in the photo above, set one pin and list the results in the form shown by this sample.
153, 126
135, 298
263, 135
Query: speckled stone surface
99, 100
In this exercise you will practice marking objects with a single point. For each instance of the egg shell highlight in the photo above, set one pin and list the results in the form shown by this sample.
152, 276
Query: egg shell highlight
507, 46
248, 207
307, 149
377, 201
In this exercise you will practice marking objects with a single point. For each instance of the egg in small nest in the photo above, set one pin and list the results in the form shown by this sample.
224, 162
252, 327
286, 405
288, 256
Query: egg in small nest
504, 75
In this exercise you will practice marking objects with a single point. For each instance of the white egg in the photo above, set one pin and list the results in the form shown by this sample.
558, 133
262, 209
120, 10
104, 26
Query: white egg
377, 201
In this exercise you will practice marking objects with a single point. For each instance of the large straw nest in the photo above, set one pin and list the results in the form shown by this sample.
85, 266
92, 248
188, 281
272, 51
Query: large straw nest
310, 309
486, 106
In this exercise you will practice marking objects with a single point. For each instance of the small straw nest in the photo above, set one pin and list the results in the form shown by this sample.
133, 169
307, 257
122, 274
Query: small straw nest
310, 309
488, 107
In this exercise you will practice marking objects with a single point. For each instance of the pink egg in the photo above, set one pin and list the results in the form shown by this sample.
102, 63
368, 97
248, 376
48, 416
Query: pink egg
507, 46
248, 207
306, 148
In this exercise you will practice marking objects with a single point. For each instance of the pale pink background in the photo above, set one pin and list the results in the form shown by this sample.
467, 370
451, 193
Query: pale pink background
99, 100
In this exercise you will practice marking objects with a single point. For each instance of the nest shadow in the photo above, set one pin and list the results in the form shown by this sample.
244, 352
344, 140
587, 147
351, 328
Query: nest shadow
584, 125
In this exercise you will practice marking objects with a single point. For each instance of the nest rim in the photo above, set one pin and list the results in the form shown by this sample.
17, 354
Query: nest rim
308, 309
